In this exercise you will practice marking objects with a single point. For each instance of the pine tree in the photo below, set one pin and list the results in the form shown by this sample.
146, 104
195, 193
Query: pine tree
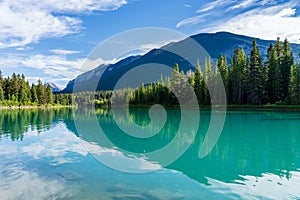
180, 86
255, 76
279, 50
34, 97
208, 81
238, 78
14, 87
285, 67
7, 88
1, 87
1, 79
40, 92
48, 95
222, 68
273, 76
294, 85
22, 93
1, 94
198, 84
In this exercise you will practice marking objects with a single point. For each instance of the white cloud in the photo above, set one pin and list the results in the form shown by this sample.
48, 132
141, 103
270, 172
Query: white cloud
266, 19
88, 64
54, 148
23, 184
28, 21
287, 12
212, 5
190, 21
243, 4
265, 186
125, 162
204, 12
78, 6
63, 51
264, 23
56, 68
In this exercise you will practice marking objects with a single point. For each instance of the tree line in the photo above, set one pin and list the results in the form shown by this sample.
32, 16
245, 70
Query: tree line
16, 91
15, 123
247, 79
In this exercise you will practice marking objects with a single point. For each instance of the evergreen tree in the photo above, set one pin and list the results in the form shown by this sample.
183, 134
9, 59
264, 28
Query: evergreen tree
273, 76
279, 50
48, 95
14, 87
255, 76
1, 79
238, 78
285, 67
1, 94
22, 93
1, 87
40, 92
222, 68
294, 85
198, 84
180, 86
34, 97
7, 88
208, 81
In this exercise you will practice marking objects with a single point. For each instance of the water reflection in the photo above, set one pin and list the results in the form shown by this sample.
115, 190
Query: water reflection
14, 122
255, 149
251, 144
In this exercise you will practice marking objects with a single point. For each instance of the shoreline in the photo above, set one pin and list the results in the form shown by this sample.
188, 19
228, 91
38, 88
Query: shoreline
283, 108
34, 107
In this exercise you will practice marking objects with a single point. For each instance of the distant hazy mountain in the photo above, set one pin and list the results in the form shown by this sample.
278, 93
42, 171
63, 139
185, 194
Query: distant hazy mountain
214, 43
54, 87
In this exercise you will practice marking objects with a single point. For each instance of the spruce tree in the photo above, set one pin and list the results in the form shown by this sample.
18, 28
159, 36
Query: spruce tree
208, 81
238, 78
273, 76
48, 95
255, 76
198, 84
1, 94
40, 92
22, 93
14, 87
34, 97
294, 85
1, 87
222, 68
180, 85
285, 67
1, 79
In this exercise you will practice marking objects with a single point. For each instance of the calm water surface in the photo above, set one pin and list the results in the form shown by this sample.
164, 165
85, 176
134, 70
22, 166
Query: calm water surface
43, 156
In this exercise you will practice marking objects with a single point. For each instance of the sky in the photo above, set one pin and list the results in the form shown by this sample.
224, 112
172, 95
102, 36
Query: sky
50, 39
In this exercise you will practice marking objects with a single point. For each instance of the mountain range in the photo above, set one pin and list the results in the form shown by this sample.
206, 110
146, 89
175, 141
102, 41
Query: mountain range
54, 87
214, 43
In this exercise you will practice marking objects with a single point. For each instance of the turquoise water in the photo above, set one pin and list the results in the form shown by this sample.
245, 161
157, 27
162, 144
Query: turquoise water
49, 154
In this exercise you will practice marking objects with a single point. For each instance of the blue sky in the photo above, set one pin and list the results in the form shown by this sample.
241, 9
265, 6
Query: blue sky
50, 39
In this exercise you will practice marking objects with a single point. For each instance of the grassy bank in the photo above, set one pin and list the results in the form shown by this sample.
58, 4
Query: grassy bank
36, 107
201, 107
268, 107
265, 107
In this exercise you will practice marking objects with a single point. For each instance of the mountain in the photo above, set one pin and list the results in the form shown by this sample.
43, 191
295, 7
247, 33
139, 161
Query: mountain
214, 43
54, 87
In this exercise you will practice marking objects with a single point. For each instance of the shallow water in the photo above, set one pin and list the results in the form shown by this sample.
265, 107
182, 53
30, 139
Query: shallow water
57, 154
